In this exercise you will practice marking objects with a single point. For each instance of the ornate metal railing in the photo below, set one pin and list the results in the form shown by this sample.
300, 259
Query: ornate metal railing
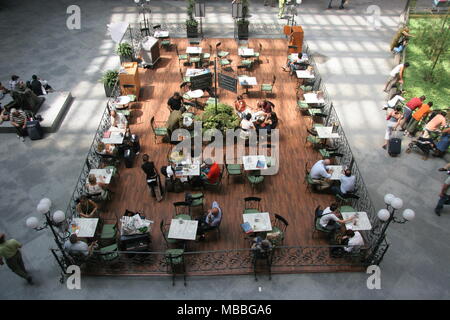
234, 261
238, 259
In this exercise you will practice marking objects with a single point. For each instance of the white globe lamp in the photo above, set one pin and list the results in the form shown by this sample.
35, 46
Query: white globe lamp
409, 214
47, 201
383, 215
388, 198
59, 216
32, 222
43, 207
397, 203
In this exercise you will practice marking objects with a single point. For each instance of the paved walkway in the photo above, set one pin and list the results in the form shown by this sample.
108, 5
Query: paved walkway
353, 60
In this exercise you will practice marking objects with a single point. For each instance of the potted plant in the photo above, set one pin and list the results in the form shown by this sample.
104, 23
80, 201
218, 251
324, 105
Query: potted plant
125, 52
243, 23
109, 79
222, 118
191, 23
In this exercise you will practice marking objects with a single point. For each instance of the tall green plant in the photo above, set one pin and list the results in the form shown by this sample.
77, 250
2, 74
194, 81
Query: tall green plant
124, 50
109, 78
190, 11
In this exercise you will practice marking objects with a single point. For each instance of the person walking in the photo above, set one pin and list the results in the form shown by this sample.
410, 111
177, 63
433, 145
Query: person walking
9, 250
444, 197
152, 177
340, 7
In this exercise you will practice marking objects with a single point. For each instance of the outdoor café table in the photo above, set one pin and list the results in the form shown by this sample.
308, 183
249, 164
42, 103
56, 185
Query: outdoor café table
193, 50
312, 98
190, 72
294, 57
161, 34
304, 74
246, 52
194, 95
336, 172
102, 175
116, 136
246, 82
83, 227
183, 229
250, 162
313, 111
362, 221
260, 222
326, 133
121, 102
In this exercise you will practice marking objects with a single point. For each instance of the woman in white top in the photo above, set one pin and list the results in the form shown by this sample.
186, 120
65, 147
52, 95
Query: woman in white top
97, 190
355, 240
118, 120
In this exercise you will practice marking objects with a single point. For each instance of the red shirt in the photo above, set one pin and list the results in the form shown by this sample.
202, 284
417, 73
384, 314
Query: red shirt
214, 173
414, 103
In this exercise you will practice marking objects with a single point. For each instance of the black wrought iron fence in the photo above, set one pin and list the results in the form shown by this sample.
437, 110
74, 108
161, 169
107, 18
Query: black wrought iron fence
238, 259
233, 261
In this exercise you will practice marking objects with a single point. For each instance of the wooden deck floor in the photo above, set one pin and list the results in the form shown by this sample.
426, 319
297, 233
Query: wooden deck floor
284, 193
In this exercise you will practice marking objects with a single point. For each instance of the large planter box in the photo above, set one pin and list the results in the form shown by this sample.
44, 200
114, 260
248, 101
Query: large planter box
243, 30
126, 59
192, 31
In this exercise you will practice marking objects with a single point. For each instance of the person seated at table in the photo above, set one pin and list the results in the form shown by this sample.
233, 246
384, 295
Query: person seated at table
354, 240
211, 172
329, 219
106, 149
269, 122
247, 123
347, 185
96, 190
240, 106
152, 177
266, 106
261, 247
118, 120
74, 246
87, 208
176, 101
293, 65
209, 221
321, 174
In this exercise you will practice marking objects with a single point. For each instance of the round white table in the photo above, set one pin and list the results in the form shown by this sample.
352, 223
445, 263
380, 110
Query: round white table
121, 102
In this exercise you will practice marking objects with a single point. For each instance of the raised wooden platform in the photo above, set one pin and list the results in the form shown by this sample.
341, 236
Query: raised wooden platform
284, 194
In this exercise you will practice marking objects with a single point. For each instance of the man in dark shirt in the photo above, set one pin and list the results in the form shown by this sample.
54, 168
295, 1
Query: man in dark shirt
176, 101
36, 86
151, 176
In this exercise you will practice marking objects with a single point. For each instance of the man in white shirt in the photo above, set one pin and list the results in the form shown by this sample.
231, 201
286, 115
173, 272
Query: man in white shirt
347, 186
320, 174
246, 123
75, 246
329, 219
355, 240
396, 75
210, 221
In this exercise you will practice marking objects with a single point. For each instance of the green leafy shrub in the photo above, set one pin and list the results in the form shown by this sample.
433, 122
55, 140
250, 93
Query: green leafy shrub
223, 119
109, 78
124, 49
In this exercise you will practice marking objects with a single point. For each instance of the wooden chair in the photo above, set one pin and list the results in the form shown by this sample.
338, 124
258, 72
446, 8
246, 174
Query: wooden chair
268, 87
175, 263
279, 225
234, 170
218, 184
181, 210
252, 205
158, 128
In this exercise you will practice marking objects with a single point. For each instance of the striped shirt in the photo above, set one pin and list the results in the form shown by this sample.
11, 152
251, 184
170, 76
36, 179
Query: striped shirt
19, 118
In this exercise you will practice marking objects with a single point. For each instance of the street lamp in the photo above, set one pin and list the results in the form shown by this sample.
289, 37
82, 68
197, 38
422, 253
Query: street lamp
387, 216
218, 44
142, 5
51, 220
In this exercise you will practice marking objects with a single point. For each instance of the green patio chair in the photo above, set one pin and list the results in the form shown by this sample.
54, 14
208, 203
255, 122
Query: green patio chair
234, 170
252, 205
158, 128
109, 253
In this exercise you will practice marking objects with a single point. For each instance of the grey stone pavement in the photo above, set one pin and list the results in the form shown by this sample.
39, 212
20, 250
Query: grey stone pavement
352, 58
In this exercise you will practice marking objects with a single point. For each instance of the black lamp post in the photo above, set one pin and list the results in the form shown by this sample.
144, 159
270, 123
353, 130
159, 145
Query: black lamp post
215, 76
52, 221
142, 5
387, 216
